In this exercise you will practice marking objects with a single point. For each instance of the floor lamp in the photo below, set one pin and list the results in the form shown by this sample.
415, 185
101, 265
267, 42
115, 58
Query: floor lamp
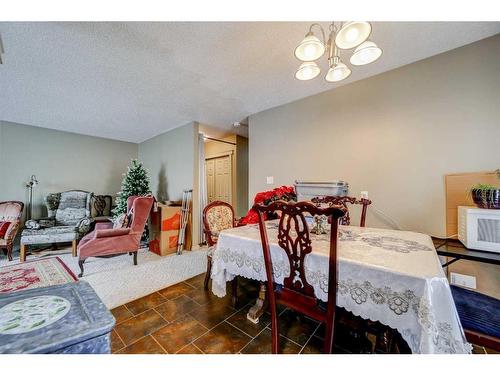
32, 182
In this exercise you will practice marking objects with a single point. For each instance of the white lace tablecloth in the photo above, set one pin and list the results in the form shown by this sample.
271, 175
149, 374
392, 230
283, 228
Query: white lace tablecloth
391, 276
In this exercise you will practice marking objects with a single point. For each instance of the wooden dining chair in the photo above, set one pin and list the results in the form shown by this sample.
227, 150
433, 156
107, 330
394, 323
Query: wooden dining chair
343, 201
217, 216
293, 237
384, 335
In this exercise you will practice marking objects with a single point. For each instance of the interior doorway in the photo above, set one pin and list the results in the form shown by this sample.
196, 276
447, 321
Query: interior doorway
219, 174
225, 161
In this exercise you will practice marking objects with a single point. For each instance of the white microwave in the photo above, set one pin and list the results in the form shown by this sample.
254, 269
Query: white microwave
479, 228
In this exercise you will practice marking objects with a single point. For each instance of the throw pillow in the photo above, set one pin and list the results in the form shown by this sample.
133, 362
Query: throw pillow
121, 221
4, 225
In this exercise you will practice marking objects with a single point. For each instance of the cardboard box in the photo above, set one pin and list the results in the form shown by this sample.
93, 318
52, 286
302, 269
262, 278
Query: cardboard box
164, 230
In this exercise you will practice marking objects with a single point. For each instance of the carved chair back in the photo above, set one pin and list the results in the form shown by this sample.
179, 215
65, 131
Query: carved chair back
294, 238
343, 201
217, 216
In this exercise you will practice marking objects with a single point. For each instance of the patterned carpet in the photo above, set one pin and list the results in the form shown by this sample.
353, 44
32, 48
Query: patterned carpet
117, 281
34, 274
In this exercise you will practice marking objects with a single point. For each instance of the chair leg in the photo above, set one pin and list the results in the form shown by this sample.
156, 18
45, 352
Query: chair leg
209, 270
73, 248
329, 333
22, 253
234, 289
9, 251
274, 332
135, 258
80, 263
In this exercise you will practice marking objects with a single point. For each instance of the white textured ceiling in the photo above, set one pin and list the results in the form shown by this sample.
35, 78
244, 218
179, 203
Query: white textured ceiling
133, 80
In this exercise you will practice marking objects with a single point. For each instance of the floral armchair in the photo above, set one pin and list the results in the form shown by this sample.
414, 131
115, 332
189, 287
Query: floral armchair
217, 216
69, 219
10, 216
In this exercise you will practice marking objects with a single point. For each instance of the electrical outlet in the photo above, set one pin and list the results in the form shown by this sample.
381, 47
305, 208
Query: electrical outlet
270, 180
463, 280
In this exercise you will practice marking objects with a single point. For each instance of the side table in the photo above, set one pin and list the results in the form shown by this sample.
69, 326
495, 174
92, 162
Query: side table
68, 318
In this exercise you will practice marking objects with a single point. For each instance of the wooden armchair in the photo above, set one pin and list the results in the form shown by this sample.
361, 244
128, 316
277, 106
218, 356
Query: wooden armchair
384, 335
217, 216
10, 215
343, 201
296, 293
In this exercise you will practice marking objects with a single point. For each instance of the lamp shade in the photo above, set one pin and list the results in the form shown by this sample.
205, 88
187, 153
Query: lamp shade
352, 34
366, 53
310, 48
307, 71
338, 72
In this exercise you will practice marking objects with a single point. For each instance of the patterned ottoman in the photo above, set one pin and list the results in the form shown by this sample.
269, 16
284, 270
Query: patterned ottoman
68, 318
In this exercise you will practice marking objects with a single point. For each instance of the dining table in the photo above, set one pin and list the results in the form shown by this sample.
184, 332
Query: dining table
391, 276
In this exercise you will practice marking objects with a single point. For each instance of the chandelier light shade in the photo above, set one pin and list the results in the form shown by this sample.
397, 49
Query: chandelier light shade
341, 37
366, 53
310, 49
307, 70
338, 72
352, 34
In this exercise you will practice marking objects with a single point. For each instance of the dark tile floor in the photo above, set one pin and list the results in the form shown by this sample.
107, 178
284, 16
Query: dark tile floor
186, 319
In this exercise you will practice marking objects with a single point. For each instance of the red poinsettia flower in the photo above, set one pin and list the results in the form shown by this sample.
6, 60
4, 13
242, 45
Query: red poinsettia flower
286, 193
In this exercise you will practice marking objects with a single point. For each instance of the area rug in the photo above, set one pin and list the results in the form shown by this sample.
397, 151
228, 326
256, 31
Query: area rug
117, 281
34, 274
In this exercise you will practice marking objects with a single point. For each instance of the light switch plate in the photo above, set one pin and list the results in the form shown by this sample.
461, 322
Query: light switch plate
270, 180
463, 280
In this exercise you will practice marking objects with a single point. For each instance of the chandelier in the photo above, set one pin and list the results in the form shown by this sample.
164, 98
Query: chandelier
344, 36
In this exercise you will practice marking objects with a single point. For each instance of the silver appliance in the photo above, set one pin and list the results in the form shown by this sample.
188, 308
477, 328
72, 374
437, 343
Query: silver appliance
306, 190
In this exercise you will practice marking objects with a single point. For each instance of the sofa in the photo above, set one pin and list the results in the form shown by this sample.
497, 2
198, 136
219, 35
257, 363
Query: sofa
69, 219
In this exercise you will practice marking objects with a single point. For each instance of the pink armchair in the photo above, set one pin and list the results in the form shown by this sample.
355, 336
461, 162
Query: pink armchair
105, 241
11, 212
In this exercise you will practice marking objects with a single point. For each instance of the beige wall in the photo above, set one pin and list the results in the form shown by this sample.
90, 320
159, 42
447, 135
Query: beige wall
242, 176
172, 161
60, 160
396, 135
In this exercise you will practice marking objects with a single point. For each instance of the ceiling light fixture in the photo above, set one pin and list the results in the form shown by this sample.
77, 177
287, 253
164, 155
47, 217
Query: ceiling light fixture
238, 124
338, 71
366, 53
352, 34
311, 48
342, 36
307, 71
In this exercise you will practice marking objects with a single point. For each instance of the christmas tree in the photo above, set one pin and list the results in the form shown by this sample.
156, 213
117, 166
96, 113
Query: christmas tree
135, 182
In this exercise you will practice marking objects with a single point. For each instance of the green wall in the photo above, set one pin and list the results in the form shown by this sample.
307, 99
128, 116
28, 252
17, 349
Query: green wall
60, 160
169, 158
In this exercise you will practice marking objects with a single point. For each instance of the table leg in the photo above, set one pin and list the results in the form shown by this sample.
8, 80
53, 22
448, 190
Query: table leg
260, 305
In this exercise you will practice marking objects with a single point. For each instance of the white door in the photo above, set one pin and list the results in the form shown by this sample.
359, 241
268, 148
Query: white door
219, 179
210, 173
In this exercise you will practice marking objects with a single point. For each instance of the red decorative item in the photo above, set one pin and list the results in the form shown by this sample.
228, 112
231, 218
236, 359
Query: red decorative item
4, 225
282, 193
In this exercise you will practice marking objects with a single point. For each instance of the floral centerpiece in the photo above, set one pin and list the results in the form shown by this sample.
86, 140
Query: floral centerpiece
283, 193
